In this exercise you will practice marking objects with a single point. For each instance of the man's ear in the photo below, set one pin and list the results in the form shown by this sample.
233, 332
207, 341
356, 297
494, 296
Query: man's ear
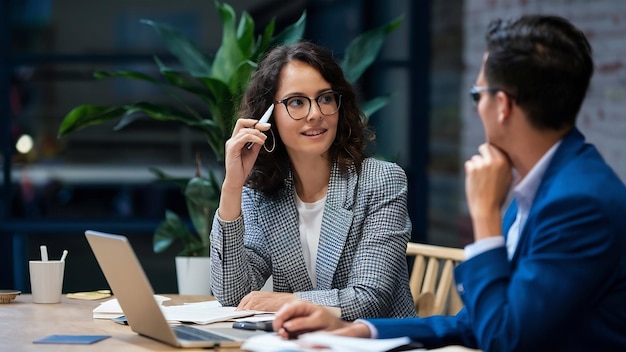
505, 106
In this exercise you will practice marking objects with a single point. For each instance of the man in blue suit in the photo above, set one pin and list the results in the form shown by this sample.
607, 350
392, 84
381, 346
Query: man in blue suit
552, 274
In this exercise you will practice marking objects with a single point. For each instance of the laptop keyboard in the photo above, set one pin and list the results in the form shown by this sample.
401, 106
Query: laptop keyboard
189, 333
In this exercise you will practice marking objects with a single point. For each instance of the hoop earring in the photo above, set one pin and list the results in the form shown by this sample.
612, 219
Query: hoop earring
273, 143
345, 147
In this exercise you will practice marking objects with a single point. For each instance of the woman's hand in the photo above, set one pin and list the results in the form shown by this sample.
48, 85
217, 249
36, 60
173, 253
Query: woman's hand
240, 159
265, 301
238, 164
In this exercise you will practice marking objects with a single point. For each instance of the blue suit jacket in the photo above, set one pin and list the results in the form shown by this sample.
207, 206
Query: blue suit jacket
565, 287
361, 262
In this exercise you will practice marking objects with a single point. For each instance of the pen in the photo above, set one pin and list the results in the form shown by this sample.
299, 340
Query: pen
64, 255
263, 119
254, 325
44, 253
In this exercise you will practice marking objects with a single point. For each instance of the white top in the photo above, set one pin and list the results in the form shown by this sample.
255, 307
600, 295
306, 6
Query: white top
310, 225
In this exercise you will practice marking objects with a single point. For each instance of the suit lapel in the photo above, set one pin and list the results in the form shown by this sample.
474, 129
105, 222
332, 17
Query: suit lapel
570, 146
336, 223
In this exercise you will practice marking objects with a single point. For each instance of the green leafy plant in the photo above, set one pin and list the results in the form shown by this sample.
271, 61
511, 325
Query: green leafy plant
218, 83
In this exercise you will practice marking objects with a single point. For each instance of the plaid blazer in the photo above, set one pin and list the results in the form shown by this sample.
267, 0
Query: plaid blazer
361, 262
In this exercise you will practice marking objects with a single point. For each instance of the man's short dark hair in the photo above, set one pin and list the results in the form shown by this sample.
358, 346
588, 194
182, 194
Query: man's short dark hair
544, 63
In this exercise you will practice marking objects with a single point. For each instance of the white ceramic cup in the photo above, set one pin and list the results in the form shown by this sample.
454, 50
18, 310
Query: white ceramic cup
46, 280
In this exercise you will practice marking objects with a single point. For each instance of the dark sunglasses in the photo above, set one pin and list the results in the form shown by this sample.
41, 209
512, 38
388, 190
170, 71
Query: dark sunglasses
476, 90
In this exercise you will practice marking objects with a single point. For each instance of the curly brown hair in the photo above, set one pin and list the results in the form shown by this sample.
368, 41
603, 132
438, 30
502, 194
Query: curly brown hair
271, 169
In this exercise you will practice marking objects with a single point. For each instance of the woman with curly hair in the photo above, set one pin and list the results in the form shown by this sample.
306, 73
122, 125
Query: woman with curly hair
302, 203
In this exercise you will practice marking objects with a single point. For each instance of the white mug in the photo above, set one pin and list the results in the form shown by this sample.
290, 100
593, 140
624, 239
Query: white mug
46, 280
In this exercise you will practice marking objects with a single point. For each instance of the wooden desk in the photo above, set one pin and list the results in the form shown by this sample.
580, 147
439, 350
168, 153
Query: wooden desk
22, 322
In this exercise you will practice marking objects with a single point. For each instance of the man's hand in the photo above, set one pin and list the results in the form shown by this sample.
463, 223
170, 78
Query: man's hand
488, 177
301, 317
265, 301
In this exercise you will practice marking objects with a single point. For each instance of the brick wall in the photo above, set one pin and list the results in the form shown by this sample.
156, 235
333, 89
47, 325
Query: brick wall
603, 115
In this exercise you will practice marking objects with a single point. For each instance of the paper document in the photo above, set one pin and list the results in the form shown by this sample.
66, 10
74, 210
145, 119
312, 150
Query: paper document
91, 296
202, 315
111, 308
257, 317
198, 312
270, 343
321, 341
342, 343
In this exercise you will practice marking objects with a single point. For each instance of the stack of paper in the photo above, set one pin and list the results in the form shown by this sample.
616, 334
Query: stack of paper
198, 313
202, 315
321, 341
111, 308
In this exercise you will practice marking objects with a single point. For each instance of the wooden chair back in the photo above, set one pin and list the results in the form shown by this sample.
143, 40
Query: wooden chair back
432, 279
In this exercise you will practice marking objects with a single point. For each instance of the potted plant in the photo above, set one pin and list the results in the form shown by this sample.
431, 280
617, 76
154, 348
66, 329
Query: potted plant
218, 82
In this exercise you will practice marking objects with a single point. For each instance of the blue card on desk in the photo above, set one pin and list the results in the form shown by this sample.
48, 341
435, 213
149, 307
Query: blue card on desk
72, 339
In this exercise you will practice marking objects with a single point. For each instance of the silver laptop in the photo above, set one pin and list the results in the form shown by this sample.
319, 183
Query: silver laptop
134, 293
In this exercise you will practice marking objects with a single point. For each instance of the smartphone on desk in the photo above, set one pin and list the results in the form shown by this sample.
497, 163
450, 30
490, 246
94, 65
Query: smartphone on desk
254, 325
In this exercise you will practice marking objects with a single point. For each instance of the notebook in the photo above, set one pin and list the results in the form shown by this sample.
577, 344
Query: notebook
134, 293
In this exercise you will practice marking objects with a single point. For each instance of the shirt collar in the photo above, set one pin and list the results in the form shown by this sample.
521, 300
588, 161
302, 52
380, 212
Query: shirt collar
526, 189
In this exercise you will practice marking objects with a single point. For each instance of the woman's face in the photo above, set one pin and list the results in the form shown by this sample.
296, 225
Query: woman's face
314, 134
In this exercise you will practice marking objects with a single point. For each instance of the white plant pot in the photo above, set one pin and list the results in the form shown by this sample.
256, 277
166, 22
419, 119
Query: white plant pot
193, 275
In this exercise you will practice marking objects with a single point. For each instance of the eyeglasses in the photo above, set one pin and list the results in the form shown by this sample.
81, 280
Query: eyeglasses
476, 90
299, 106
